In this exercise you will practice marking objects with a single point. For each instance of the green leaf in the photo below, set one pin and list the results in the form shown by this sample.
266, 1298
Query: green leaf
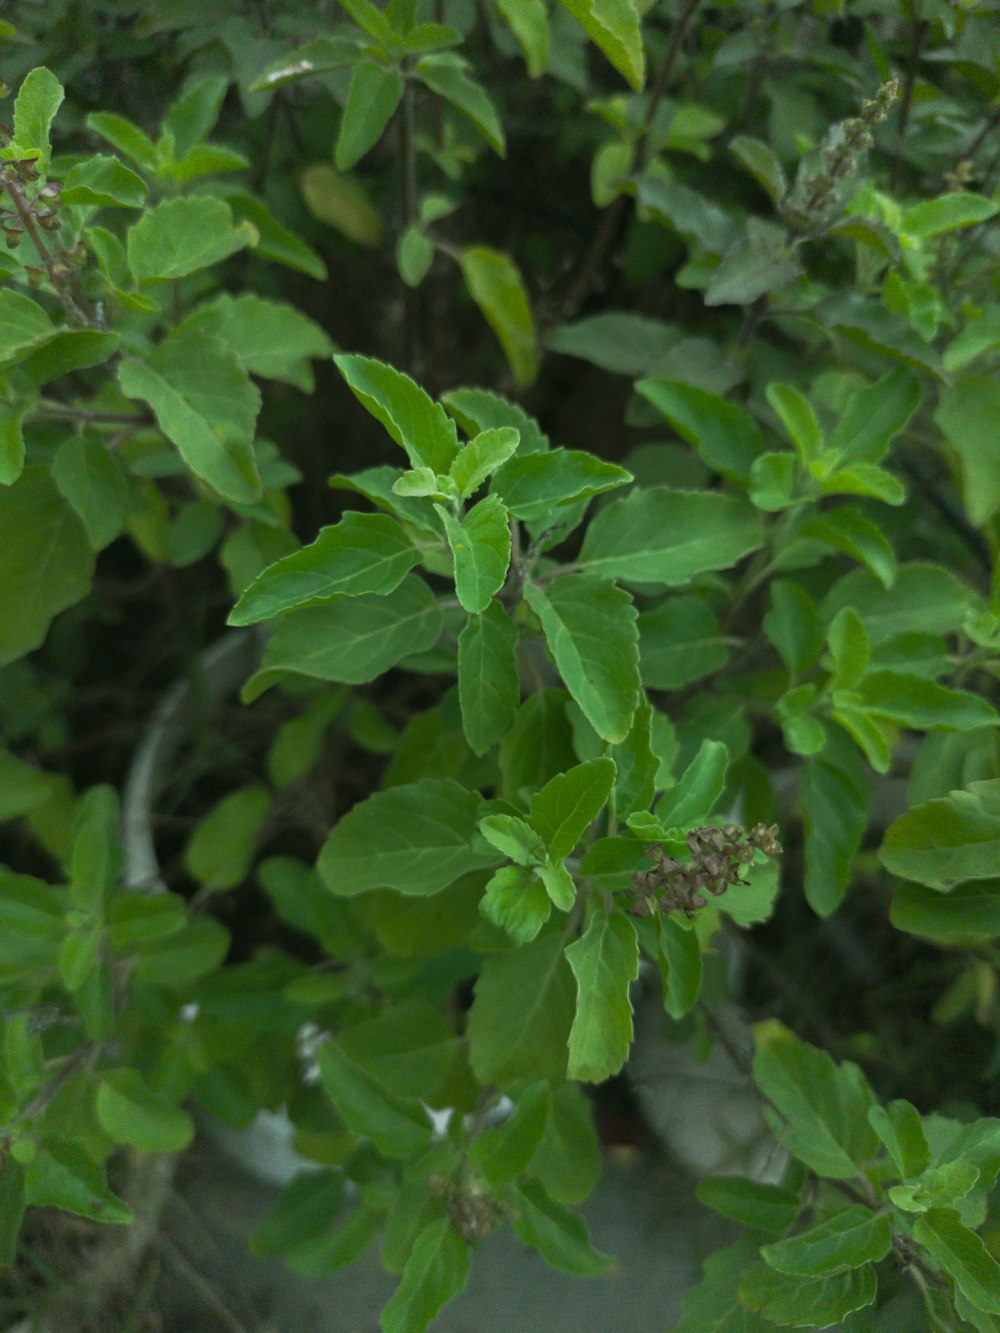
351, 639
445, 74
943, 842
528, 20
270, 339
619, 341
754, 1204
636, 764
122, 134
820, 1109
399, 1127
488, 685
848, 530
539, 745
899, 1127
559, 885
875, 416
133, 1113
758, 263
181, 236
46, 561
274, 241
517, 902
91, 480
192, 116
481, 457
495, 284
793, 626
414, 256
342, 202
752, 903
939, 1186
436, 1271
872, 734
515, 838
184, 957
372, 99
22, 786
519, 1023
363, 553
713, 1306
480, 548
835, 815
307, 1205
38, 99
970, 910
534, 486
848, 1240
416, 838
23, 325
103, 182
762, 164
205, 404
849, 649
559, 1235
605, 962
680, 966
221, 847
979, 337
616, 28
569, 803
590, 630
479, 410
96, 861
408, 1047
969, 416
962, 1254
948, 212
502, 1153
924, 704
679, 642
772, 481
63, 1175
694, 796
726, 437
796, 414
865, 479
662, 536
418, 425
926, 599
807, 1302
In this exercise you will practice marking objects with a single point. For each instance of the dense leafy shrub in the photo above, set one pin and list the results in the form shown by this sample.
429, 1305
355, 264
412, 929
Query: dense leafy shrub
662, 534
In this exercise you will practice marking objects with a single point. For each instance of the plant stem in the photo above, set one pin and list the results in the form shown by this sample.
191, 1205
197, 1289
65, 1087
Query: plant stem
50, 408
614, 215
60, 275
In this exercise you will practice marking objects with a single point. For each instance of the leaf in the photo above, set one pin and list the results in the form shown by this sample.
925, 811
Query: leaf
528, 20
796, 414
948, 212
38, 99
304, 1211
758, 263
848, 530
363, 553
91, 480
416, 838
820, 1109
408, 1047
759, 159
534, 486
559, 1235
96, 862
753, 1203
662, 536
969, 910
680, 966
926, 599
399, 1127
694, 796
372, 99
414, 256
519, 1023
725, 436
516, 901
924, 704
480, 548
103, 182
181, 236
793, 626
481, 457
875, 416
807, 1302
63, 1175
636, 765
969, 416
488, 685
351, 639
342, 202
962, 1254
899, 1127
270, 339
713, 1306
605, 962
515, 838
445, 74
46, 561
679, 642
193, 115
569, 803
848, 1240
315, 57
619, 341
221, 847
205, 404
479, 410
943, 842
615, 27
274, 241
193, 952
559, 885
495, 284
418, 425
122, 134
590, 630
436, 1271
133, 1113
835, 815
504, 1152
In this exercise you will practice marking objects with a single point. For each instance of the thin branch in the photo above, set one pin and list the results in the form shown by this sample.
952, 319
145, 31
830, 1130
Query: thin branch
50, 408
60, 275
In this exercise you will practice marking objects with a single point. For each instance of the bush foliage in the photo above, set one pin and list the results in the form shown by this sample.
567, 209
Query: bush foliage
594, 404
